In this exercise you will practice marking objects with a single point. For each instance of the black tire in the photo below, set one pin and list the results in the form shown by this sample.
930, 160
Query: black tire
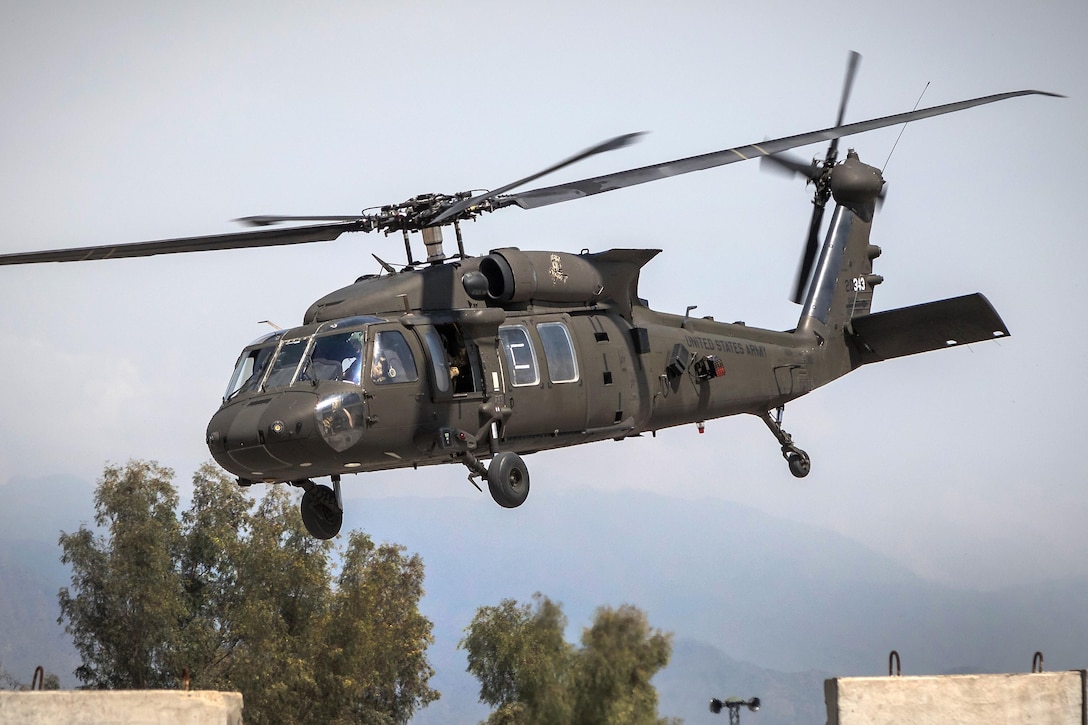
799, 463
508, 479
320, 513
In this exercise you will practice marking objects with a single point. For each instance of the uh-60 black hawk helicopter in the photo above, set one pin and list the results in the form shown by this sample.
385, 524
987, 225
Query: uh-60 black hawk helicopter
458, 359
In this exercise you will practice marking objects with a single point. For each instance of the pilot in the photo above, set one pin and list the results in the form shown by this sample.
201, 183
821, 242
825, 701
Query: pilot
386, 366
353, 361
325, 363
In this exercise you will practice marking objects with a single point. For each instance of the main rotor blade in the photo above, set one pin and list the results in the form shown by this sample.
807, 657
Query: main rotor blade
235, 240
610, 182
267, 220
610, 145
848, 83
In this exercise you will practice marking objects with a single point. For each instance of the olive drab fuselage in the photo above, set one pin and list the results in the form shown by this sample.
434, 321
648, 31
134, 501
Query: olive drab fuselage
581, 360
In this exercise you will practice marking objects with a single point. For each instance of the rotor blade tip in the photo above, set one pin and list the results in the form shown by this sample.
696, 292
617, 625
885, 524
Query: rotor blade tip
620, 141
254, 221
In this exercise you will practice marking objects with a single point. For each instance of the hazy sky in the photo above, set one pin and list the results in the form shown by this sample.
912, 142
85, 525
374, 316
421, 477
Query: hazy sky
125, 121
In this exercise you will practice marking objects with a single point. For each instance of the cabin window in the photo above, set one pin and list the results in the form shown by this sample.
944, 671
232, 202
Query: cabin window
463, 361
520, 355
439, 365
558, 352
392, 361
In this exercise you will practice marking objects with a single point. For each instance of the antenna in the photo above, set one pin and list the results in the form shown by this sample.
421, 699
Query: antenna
916, 104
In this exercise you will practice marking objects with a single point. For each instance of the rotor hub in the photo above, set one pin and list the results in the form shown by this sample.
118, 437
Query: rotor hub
855, 184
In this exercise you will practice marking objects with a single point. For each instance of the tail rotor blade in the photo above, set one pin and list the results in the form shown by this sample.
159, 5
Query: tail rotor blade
789, 165
808, 257
847, 86
820, 174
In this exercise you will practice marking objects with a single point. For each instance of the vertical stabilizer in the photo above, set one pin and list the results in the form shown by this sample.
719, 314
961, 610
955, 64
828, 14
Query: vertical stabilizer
842, 284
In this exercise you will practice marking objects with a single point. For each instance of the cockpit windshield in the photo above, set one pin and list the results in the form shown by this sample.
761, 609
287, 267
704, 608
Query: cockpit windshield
286, 363
279, 360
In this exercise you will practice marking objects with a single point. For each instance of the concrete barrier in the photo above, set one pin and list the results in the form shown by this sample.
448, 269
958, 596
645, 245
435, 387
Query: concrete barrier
1054, 698
121, 707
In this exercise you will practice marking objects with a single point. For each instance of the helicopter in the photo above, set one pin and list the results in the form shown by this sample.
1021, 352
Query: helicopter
465, 359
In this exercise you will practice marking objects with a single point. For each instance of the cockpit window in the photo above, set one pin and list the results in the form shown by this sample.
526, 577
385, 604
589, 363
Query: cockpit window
335, 357
249, 371
333, 354
392, 361
286, 363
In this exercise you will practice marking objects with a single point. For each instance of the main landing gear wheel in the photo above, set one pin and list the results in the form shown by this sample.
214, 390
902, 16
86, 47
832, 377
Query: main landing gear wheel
799, 463
321, 513
508, 479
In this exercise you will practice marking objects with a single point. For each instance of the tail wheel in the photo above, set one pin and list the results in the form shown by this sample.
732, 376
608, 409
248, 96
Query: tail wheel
799, 462
508, 479
320, 512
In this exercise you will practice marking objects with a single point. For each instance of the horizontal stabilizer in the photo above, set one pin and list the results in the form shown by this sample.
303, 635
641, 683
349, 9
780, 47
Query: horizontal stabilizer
921, 328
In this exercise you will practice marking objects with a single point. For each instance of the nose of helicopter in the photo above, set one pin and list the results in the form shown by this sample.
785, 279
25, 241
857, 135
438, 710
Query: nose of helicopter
285, 435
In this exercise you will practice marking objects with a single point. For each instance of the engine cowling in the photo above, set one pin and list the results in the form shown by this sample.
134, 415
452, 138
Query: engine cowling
511, 275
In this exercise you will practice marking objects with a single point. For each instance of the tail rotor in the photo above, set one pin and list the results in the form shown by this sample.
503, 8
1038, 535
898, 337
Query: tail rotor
818, 173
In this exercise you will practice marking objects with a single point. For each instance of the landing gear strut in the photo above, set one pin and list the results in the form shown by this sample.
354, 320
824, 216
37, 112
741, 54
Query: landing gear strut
799, 462
322, 510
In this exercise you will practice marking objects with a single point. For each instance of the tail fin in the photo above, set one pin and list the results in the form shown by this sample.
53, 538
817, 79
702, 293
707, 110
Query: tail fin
842, 285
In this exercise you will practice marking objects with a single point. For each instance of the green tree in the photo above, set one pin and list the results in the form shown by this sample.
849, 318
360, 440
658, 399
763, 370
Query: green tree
244, 600
530, 674
283, 592
518, 654
374, 637
619, 656
213, 531
125, 600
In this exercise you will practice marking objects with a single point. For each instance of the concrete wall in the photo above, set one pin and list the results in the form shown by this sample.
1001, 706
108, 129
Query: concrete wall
120, 707
1053, 698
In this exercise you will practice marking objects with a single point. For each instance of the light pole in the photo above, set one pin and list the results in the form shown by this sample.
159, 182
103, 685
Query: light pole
734, 704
